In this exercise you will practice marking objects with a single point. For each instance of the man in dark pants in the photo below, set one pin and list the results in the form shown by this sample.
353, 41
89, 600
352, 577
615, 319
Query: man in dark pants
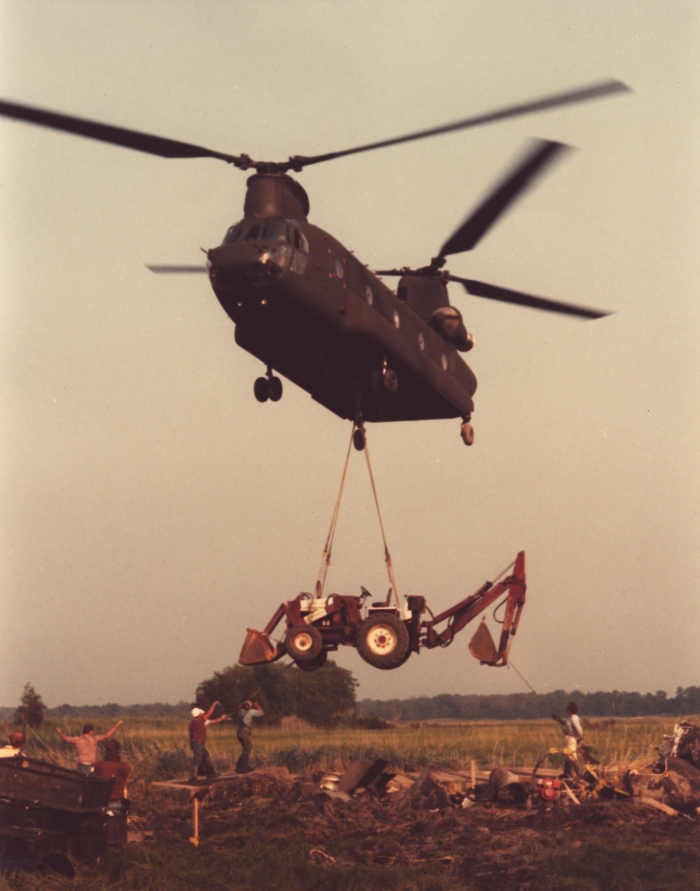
198, 738
246, 713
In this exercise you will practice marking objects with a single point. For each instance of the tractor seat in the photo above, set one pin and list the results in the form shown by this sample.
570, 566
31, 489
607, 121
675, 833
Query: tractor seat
386, 602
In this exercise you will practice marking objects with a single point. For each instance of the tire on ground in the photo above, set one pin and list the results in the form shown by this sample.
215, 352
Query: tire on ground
382, 640
303, 642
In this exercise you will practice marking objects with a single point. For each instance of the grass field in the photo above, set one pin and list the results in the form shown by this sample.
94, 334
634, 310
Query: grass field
158, 747
263, 842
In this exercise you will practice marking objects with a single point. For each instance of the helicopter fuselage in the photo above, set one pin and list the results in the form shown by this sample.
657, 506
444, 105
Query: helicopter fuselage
306, 307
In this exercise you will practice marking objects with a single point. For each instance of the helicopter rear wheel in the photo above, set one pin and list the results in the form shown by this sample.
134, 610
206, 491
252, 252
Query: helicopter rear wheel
261, 389
467, 434
274, 389
358, 439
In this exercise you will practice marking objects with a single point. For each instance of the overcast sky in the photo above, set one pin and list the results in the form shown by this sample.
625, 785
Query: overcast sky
152, 509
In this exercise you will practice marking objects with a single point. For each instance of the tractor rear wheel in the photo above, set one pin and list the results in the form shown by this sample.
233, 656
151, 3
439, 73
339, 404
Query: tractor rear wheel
382, 640
316, 663
303, 642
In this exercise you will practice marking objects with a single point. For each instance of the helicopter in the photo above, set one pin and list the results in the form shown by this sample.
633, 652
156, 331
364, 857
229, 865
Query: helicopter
307, 308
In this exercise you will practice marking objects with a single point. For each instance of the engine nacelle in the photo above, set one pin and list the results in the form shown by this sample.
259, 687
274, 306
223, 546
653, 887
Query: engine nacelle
447, 321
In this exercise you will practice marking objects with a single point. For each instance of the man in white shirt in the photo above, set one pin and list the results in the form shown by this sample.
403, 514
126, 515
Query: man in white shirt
573, 736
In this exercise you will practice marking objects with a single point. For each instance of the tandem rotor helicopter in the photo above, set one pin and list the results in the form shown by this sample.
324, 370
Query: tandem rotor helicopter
309, 309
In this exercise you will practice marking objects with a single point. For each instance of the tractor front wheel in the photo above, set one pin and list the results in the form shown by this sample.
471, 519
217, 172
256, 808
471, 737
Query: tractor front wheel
303, 642
316, 663
382, 640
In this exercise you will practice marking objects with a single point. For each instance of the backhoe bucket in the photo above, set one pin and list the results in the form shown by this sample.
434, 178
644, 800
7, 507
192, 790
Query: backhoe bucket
482, 647
257, 649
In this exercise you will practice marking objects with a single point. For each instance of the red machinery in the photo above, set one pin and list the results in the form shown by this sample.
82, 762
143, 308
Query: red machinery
384, 635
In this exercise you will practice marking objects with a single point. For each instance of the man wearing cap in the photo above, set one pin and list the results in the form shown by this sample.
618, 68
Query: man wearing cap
86, 745
198, 738
246, 713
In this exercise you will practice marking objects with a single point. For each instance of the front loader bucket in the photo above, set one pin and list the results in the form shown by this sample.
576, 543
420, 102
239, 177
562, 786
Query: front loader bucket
482, 647
258, 649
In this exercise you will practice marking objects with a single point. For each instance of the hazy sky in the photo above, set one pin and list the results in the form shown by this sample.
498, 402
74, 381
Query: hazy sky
152, 509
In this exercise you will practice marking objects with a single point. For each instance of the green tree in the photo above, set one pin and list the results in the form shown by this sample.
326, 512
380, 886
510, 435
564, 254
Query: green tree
317, 697
31, 708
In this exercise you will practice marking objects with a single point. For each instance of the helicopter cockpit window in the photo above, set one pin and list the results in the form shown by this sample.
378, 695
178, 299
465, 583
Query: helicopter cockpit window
276, 230
252, 232
300, 243
233, 233
301, 250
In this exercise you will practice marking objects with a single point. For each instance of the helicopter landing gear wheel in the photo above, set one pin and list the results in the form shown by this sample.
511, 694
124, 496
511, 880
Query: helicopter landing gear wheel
382, 640
358, 439
274, 388
303, 643
314, 664
467, 433
261, 389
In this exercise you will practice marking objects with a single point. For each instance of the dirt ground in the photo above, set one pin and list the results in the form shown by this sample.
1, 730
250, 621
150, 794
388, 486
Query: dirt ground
485, 846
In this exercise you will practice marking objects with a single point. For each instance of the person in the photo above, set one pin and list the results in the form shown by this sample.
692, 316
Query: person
198, 738
112, 767
573, 737
86, 745
16, 743
246, 713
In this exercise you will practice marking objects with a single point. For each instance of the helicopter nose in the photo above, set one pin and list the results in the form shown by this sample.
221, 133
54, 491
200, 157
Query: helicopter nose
230, 260
264, 270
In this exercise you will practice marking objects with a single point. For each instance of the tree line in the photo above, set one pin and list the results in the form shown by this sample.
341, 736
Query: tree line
525, 706
328, 697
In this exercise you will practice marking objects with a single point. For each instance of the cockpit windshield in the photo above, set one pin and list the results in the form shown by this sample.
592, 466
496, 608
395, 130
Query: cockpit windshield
274, 229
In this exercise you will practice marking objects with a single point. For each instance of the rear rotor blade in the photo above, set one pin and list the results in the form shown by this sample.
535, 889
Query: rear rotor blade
160, 269
596, 91
480, 221
493, 292
133, 139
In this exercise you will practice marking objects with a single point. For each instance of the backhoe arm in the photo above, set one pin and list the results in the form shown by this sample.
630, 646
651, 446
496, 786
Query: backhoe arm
460, 615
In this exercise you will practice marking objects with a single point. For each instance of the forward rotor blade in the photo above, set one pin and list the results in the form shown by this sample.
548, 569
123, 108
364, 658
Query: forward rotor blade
493, 292
480, 221
133, 139
160, 269
596, 91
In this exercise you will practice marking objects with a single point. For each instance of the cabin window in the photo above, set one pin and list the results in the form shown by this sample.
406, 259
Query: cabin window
369, 296
233, 233
301, 250
421, 341
397, 320
444, 361
339, 269
276, 230
251, 232
298, 240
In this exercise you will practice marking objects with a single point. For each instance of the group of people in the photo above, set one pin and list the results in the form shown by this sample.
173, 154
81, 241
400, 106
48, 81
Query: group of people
111, 767
201, 760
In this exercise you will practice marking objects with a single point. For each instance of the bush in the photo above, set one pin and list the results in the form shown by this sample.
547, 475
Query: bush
316, 697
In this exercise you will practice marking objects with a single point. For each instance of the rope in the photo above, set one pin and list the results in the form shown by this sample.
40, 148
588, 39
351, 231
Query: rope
510, 665
326, 558
387, 556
